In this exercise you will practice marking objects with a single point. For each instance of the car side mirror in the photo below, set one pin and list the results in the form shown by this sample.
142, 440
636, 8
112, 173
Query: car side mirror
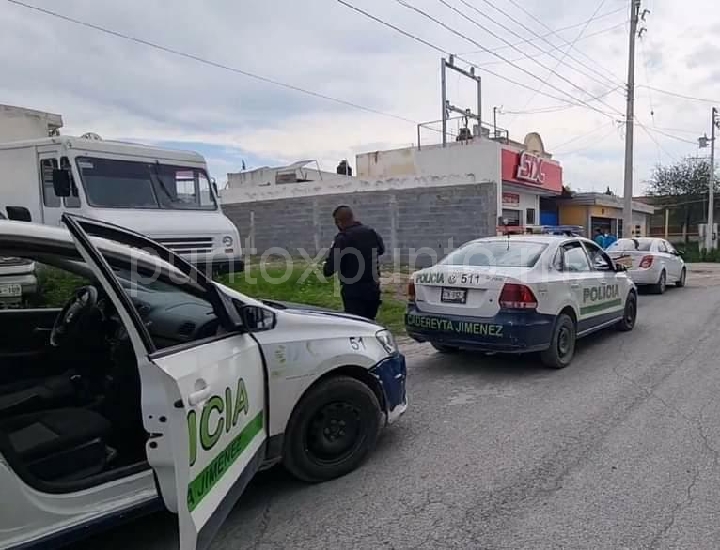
256, 319
62, 183
19, 214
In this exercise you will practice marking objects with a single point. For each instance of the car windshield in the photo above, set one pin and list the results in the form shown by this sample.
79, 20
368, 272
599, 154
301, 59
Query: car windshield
504, 253
627, 245
111, 183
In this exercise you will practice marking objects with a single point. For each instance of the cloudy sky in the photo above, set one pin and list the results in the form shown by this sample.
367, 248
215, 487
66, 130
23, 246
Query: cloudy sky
126, 90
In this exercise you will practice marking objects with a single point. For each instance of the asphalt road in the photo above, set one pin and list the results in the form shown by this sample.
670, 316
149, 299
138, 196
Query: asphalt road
620, 450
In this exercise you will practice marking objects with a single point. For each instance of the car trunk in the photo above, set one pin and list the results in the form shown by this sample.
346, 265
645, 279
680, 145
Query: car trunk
463, 291
629, 258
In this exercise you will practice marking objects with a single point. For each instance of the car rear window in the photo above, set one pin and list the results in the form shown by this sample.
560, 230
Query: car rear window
625, 245
510, 253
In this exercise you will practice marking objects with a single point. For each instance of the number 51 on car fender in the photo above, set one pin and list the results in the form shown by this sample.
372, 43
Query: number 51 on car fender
204, 407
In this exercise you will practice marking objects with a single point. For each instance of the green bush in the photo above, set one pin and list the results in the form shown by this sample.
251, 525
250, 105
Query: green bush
691, 253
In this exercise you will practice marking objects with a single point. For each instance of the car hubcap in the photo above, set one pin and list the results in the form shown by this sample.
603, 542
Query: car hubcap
630, 315
564, 342
334, 433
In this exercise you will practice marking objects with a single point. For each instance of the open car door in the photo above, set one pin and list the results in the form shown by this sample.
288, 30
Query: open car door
204, 403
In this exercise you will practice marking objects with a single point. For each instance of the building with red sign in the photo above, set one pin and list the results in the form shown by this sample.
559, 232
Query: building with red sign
522, 172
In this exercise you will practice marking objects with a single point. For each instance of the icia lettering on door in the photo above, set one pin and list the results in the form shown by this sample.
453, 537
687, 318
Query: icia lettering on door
530, 168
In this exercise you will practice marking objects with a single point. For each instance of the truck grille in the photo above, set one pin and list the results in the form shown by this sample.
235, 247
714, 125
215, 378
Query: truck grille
188, 245
9, 261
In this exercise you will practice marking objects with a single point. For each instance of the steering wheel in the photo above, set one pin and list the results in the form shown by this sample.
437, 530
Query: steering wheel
84, 301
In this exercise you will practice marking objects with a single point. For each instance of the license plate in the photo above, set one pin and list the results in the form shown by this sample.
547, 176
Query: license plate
10, 291
454, 295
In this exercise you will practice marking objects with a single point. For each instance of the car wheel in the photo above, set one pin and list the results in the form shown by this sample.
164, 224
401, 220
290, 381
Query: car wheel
629, 314
681, 282
332, 430
661, 285
445, 349
562, 345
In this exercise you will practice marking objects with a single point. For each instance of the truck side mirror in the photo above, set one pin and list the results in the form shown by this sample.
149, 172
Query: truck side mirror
19, 214
62, 182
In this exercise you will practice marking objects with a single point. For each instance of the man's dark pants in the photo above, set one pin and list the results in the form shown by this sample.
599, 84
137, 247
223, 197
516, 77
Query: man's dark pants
362, 300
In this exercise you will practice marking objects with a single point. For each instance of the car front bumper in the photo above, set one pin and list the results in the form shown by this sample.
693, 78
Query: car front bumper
391, 373
28, 283
506, 332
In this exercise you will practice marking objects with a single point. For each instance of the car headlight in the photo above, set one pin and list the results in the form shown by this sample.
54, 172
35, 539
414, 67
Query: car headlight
387, 341
227, 241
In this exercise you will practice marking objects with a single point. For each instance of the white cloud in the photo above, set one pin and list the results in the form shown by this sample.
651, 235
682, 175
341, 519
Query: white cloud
123, 89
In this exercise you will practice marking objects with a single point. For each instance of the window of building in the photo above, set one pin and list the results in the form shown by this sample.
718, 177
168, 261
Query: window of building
530, 216
512, 216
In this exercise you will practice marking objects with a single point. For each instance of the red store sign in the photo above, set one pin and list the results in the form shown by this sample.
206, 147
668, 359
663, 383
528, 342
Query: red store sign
524, 168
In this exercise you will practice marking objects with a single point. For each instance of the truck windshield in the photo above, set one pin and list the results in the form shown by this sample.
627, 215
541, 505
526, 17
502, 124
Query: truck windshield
113, 183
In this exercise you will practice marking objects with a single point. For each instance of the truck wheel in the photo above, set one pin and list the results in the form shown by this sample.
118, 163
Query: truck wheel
562, 345
332, 430
629, 314
445, 349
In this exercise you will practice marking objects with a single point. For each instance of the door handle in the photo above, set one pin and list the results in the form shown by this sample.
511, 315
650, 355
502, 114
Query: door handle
200, 395
575, 285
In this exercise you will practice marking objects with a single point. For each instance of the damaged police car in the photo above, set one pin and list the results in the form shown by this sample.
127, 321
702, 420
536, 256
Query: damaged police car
520, 294
155, 387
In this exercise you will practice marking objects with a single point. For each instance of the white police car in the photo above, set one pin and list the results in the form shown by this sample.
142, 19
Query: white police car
154, 386
520, 294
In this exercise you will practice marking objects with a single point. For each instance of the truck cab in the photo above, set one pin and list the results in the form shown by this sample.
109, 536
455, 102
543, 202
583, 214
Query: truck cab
164, 194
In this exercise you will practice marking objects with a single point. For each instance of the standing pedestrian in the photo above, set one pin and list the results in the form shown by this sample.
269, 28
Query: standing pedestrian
354, 255
599, 237
609, 237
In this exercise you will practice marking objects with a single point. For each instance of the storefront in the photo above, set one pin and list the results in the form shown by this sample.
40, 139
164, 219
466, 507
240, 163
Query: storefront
605, 212
527, 175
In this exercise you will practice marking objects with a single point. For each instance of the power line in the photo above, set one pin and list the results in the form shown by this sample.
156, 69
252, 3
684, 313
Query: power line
586, 147
538, 20
560, 61
581, 136
484, 28
554, 32
208, 62
443, 51
465, 37
681, 96
557, 108
553, 47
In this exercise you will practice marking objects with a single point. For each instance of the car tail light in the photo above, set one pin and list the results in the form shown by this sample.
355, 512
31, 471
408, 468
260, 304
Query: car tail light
646, 262
411, 291
517, 296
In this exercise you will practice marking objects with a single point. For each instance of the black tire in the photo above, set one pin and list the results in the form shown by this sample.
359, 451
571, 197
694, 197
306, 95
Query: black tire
683, 276
445, 349
661, 285
629, 314
317, 446
562, 345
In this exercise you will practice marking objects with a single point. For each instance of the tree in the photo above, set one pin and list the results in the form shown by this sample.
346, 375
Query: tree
685, 185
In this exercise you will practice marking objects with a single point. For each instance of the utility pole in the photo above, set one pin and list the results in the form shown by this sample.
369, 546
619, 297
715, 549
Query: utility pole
629, 126
711, 190
448, 107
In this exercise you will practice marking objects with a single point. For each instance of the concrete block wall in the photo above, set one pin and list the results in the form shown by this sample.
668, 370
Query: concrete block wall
429, 218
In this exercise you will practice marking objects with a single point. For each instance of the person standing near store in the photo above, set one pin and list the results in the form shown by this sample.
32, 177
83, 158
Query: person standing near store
354, 255
609, 238
599, 237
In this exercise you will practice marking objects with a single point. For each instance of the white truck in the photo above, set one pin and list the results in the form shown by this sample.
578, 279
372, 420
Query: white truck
164, 194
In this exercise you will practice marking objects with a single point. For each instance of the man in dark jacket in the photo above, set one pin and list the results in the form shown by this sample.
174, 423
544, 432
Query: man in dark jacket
354, 256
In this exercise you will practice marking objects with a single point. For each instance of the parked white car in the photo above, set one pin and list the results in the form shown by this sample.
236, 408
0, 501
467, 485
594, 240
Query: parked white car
154, 385
520, 294
651, 262
17, 279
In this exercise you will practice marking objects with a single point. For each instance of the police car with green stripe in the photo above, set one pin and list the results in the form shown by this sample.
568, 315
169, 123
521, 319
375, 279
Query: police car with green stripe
517, 294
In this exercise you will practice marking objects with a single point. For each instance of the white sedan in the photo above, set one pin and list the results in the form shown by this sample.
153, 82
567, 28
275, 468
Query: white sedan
651, 262
520, 294
154, 386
